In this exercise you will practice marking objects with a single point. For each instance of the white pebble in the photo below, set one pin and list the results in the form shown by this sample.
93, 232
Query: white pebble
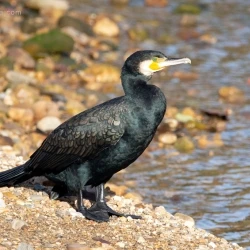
74, 213
48, 123
117, 198
141, 240
212, 244
235, 244
17, 224
2, 204
120, 244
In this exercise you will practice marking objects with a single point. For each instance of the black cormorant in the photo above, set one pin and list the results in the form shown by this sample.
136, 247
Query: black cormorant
95, 144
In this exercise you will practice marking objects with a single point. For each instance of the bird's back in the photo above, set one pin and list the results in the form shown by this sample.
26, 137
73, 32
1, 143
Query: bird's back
80, 138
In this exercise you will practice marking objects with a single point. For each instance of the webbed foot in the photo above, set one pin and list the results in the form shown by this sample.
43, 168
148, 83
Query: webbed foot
94, 215
101, 208
91, 215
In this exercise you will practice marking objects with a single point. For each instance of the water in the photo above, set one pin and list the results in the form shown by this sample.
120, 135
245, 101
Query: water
212, 188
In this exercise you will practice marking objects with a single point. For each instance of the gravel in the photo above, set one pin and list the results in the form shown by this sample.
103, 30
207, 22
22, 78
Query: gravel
30, 220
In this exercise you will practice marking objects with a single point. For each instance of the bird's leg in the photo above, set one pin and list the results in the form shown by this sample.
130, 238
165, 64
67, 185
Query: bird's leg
80, 205
101, 207
88, 214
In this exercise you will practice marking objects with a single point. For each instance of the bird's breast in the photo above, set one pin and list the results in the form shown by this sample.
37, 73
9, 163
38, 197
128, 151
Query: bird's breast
146, 115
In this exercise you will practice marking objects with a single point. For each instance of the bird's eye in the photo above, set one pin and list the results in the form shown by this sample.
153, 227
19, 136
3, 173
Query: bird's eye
158, 59
155, 59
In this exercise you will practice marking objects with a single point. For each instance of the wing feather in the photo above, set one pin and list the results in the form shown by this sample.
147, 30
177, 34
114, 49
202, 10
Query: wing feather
80, 138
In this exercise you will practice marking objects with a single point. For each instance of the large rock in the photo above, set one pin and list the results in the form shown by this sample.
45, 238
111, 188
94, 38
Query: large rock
53, 41
104, 26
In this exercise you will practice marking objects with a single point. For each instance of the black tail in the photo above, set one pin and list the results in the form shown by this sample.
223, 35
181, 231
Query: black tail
13, 176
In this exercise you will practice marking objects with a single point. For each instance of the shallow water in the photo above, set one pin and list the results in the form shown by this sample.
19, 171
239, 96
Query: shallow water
212, 188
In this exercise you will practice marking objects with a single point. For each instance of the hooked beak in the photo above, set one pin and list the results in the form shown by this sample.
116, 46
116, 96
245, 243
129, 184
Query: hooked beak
174, 61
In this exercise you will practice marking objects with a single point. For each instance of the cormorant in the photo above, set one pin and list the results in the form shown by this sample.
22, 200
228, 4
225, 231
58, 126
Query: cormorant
89, 148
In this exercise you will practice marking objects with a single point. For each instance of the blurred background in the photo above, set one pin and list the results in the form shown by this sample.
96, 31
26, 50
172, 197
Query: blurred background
58, 58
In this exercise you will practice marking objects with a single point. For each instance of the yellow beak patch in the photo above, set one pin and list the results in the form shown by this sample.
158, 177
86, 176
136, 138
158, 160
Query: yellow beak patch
154, 66
155, 63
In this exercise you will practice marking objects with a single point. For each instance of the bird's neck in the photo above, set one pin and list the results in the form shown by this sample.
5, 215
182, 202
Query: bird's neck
148, 102
132, 83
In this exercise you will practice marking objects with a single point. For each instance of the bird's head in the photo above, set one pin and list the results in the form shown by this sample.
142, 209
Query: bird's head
146, 62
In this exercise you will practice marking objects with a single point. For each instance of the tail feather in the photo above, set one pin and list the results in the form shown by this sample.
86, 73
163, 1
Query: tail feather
12, 176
